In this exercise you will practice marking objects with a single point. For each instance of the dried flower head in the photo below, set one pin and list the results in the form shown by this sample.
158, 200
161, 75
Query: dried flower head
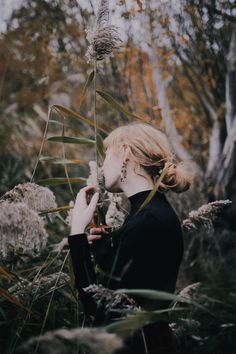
115, 216
104, 37
77, 340
22, 232
109, 301
40, 287
93, 176
203, 217
96, 177
34, 196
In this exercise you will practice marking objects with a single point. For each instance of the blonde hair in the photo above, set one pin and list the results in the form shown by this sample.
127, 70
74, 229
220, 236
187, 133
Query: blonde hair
150, 150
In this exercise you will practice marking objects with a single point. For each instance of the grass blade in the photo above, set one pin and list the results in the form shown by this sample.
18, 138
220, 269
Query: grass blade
59, 161
99, 146
155, 188
71, 140
85, 88
77, 116
116, 105
55, 181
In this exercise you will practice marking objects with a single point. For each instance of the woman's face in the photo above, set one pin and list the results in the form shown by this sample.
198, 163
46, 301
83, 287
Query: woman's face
111, 170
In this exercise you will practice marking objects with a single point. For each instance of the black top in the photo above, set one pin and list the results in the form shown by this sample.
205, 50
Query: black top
145, 253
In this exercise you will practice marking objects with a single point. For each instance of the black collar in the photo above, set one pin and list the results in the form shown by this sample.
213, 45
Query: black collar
138, 198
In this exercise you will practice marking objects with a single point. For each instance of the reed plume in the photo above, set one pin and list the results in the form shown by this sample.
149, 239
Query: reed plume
110, 302
203, 217
104, 37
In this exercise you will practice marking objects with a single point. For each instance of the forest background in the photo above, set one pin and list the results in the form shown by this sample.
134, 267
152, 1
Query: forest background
176, 68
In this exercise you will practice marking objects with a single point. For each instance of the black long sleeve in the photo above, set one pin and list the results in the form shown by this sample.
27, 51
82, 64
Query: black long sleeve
146, 252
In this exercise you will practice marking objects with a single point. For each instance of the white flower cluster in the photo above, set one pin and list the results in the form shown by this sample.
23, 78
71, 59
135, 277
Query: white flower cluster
34, 196
22, 232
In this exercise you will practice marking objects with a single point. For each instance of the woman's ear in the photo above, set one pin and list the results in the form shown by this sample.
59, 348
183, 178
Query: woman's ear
127, 152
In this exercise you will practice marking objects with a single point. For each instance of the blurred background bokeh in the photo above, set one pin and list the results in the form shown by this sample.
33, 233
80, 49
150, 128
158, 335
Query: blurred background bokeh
176, 68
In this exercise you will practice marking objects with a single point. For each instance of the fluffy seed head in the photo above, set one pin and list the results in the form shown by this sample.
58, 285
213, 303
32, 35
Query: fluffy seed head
78, 340
104, 37
22, 232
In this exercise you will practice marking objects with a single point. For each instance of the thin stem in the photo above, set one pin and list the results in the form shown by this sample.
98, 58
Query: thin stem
94, 113
42, 144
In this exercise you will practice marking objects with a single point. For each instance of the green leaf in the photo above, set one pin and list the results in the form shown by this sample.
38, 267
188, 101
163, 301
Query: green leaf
71, 140
138, 319
154, 294
116, 105
160, 295
59, 180
100, 146
85, 88
58, 160
77, 116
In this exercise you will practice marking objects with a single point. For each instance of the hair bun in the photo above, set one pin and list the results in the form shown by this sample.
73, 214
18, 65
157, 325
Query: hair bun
176, 179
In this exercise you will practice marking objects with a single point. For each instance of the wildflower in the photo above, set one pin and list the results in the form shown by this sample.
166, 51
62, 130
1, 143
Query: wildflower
77, 340
34, 196
22, 232
204, 216
104, 37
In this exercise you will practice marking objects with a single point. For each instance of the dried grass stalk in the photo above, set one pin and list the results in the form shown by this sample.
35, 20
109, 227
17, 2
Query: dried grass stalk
110, 302
104, 37
203, 217
39, 287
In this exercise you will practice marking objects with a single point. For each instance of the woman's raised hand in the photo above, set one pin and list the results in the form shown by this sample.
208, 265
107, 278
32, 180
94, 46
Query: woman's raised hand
83, 212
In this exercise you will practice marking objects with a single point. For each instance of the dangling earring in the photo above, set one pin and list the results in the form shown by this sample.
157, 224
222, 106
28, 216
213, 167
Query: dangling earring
123, 172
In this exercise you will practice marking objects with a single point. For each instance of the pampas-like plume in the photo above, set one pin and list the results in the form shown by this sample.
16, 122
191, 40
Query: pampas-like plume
39, 287
104, 37
34, 196
110, 302
203, 217
77, 340
96, 177
22, 232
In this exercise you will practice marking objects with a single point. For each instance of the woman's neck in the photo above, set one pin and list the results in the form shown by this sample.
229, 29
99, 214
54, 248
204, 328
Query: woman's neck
136, 183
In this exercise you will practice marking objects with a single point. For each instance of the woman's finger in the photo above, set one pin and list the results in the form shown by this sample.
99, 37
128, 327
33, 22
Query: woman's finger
87, 188
93, 237
93, 202
94, 230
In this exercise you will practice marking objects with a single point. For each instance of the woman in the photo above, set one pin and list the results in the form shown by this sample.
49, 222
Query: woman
146, 252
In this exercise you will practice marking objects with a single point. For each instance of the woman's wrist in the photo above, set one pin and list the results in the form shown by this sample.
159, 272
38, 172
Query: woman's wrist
75, 231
